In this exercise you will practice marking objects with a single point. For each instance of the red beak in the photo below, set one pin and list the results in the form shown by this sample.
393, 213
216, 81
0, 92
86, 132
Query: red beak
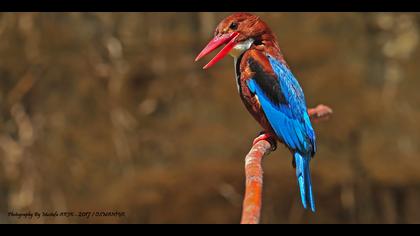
215, 43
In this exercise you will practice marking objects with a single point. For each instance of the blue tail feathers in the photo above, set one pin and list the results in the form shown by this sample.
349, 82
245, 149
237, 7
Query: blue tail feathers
304, 180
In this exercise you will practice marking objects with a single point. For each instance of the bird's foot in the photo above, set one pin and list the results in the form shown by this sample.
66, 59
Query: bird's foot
268, 137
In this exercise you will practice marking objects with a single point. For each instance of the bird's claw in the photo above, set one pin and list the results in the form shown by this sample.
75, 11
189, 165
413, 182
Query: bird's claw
268, 137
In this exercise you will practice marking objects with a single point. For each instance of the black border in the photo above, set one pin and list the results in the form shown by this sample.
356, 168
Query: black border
211, 5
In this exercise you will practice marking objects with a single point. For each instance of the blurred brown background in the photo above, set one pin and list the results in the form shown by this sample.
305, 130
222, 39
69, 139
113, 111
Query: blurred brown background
107, 111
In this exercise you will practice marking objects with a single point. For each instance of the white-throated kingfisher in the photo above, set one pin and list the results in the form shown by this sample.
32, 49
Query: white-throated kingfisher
269, 90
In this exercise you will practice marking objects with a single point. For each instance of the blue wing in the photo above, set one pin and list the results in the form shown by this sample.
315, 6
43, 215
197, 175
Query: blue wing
283, 103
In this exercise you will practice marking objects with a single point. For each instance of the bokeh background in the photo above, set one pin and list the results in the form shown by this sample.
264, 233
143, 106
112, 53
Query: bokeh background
108, 112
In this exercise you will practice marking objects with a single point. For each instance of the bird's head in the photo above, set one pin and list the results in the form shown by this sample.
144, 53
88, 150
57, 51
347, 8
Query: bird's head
239, 32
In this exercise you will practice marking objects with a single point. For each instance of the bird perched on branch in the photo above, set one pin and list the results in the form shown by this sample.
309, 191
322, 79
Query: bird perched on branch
269, 90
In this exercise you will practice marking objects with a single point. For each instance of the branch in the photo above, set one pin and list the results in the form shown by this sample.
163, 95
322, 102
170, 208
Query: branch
320, 113
254, 182
251, 208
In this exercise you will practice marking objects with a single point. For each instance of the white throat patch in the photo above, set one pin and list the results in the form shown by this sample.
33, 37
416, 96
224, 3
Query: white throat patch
241, 48
236, 52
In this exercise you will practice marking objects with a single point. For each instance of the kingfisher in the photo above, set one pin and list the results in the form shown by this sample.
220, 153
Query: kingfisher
269, 91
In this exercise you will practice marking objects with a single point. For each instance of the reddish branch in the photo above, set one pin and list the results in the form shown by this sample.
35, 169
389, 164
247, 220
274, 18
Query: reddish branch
251, 209
254, 182
320, 113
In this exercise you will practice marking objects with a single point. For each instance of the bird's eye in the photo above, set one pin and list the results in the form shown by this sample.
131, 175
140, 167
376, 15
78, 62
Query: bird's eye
233, 26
